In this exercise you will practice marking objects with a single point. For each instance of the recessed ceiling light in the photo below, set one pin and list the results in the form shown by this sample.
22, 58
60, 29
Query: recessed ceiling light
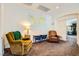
57, 7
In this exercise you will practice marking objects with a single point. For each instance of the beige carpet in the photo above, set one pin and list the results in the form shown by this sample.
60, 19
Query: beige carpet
54, 49
51, 49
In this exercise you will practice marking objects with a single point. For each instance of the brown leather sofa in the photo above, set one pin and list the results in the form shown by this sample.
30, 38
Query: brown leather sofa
53, 37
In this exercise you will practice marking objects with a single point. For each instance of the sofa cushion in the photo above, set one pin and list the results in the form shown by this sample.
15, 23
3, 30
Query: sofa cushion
37, 37
17, 35
43, 36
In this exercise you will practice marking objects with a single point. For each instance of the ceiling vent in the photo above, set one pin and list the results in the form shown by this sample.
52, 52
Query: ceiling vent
28, 4
43, 8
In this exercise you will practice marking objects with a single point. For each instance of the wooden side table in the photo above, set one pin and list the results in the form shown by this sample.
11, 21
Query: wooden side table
26, 37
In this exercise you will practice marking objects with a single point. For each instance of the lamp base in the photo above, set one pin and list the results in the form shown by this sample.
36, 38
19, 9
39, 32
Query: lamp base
27, 36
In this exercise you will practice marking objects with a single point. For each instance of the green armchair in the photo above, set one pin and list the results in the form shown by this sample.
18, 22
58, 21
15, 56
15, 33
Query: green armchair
18, 46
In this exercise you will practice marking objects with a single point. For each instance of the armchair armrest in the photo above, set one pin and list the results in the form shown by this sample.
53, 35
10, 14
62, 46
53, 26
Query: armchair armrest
17, 41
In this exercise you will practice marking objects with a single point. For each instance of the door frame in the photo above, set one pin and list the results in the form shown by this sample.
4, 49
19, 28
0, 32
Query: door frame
64, 18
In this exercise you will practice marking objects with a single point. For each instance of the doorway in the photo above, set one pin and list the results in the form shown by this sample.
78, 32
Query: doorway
71, 25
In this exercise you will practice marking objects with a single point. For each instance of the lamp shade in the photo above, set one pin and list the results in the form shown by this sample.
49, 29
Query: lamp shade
26, 26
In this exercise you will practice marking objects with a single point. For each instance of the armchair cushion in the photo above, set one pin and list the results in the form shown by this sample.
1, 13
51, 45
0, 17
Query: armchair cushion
53, 37
17, 35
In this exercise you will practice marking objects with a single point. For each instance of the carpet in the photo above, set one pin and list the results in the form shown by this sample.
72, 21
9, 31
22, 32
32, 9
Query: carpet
51, 49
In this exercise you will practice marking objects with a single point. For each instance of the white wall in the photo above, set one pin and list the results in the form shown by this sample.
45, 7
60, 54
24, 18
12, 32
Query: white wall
78, 30
1, 53
0, 34
14, 14
60, 27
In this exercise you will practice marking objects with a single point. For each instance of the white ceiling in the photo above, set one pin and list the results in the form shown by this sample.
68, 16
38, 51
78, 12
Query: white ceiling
55, 8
